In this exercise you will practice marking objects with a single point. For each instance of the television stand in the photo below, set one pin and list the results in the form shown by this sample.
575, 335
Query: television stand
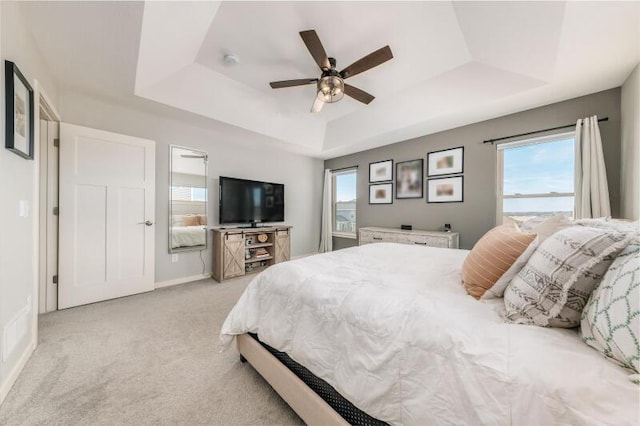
249, 249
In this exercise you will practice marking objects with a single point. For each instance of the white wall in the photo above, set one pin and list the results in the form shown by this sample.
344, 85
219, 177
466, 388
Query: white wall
229, 155
18, 244
630, 148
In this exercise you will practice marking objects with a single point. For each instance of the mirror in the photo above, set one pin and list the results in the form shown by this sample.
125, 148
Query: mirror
187, 199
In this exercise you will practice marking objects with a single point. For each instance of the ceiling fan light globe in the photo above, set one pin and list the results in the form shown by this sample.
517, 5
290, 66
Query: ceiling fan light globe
330, 89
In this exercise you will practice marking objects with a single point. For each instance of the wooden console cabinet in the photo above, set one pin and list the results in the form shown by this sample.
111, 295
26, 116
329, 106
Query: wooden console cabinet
237, 251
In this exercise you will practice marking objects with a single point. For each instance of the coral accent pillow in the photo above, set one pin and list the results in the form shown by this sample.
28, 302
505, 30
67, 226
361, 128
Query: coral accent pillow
492, 256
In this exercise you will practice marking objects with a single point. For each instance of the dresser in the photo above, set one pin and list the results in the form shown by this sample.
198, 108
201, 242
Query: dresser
424, 238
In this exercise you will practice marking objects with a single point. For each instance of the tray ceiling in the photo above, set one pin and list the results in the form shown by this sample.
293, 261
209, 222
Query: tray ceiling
454, 63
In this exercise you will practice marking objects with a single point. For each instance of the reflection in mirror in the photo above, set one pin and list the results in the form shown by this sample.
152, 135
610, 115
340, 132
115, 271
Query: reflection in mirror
187, 199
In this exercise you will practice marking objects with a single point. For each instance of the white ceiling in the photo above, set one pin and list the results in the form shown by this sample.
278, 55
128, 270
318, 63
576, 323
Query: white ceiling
454, 63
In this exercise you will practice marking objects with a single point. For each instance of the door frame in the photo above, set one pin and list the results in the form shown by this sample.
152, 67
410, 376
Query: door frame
45, 110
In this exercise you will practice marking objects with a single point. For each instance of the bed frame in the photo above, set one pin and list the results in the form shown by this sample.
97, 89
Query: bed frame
304, 401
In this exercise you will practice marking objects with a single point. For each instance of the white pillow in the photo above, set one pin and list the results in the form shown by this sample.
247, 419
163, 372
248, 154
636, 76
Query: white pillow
611, 319
546, 226
555, 284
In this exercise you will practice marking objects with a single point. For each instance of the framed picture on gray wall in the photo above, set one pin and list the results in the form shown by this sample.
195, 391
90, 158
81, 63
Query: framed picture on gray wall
381, 171
409, 179
381, 193
445, 162
19, 121
445, 190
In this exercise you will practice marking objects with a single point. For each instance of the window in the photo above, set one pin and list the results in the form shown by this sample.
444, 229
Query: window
344, 203
536, 177
188, 193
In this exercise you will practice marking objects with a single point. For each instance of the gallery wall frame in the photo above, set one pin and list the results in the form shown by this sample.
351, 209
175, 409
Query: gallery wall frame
381, 193
19, 111
448, 161
381, 171
409, 179
445, 190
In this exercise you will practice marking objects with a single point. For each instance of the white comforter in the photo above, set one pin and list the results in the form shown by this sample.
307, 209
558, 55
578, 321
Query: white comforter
392, 329
188, 236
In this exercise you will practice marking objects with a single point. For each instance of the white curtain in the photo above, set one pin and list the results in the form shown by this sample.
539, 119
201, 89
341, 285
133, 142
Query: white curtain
326, 243
592, 191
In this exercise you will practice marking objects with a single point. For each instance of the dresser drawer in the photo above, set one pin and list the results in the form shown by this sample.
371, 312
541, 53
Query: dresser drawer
424, 240
368, 237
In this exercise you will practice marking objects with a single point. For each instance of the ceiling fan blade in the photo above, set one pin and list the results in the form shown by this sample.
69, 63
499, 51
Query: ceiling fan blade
292, 83
313, 43
317, 105
371, 60
358, 95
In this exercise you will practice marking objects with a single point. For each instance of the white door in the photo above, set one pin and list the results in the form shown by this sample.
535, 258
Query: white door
106, 217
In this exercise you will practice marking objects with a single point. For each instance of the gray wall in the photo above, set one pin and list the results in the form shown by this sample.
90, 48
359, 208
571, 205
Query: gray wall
476, 215
630, 152
18, 235
229, 155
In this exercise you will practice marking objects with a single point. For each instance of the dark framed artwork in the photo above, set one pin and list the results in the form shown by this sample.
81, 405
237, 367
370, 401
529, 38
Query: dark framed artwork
445, 162
381, 193
409, 179
445, 190
381, 171
19, 120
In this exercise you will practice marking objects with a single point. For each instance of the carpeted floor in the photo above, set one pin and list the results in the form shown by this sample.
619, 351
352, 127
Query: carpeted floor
140, 360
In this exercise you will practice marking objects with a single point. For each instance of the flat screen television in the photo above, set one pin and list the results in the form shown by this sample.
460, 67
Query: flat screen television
250, 201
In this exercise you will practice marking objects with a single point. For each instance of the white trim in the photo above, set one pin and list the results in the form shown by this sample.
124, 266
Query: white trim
499, 187
500, 196
177, 281
535, 141
351, 236
544, 195
300, 256
17, 369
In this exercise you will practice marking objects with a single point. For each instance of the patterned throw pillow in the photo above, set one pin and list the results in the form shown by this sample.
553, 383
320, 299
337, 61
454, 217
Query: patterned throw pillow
492, 256
555, 284
544, 227
611, 320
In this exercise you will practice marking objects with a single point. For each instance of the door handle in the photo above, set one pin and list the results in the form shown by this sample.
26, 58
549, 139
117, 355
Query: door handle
146, 222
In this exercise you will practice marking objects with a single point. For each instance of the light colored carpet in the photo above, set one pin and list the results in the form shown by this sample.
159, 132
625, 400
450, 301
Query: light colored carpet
146, 359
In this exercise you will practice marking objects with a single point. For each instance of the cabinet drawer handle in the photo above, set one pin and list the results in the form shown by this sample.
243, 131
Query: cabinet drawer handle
377, 238
422, 244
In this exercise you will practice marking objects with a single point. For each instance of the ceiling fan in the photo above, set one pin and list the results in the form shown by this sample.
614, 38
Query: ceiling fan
331, 85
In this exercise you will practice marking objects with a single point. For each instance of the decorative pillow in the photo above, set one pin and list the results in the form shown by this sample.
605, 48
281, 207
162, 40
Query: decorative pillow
177, 220
611, 320
546, 226
608, 223
498, 288
492, 256
202, 219
555, 284
191, 220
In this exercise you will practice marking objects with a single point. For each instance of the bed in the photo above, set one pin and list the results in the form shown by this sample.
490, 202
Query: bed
188, 236
392, 330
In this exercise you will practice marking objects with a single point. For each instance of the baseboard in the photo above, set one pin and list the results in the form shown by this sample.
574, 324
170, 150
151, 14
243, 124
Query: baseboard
300, 256
182, 280
17, 369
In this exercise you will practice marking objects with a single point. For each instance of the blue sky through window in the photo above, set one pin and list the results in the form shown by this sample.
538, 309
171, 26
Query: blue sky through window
346, 187
539, 169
